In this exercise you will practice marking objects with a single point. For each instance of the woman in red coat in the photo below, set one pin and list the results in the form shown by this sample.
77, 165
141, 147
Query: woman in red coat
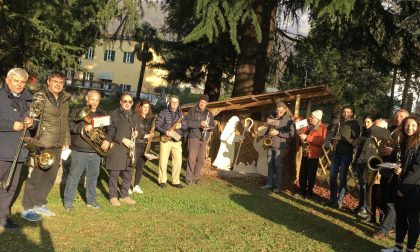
311, 138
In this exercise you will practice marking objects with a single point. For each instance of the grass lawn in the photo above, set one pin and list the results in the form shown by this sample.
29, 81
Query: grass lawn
216, 215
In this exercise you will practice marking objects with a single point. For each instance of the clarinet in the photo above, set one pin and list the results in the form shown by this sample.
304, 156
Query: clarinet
132, 150
204, 132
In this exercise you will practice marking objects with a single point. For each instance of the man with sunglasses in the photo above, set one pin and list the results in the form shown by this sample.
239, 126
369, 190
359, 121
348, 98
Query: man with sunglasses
121, 132
168, 121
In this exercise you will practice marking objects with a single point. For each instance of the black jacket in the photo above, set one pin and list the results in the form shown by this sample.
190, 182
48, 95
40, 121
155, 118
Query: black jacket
410, 178
76, 126
349, 132
119, 129
12, 109
194, 118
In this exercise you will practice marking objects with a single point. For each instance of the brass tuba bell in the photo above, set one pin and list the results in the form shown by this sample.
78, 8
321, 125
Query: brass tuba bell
45, 159
94, 137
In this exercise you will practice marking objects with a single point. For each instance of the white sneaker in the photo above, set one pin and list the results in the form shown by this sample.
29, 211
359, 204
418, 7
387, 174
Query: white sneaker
137, 189
394, 249
130, 192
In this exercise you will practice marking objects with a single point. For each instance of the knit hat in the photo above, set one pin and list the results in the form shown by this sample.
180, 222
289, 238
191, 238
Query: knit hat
204, 97
317, 114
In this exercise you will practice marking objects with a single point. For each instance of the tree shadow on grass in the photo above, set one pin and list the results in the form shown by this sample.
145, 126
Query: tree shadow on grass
302, 221
16, 240
365, 228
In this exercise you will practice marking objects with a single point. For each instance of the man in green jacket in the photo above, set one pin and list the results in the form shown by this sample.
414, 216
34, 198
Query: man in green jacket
54, 134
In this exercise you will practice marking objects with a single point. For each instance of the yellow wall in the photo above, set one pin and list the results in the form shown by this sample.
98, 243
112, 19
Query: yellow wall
123, 73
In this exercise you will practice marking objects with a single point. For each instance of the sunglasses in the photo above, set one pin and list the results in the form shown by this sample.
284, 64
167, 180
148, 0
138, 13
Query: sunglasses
127, 101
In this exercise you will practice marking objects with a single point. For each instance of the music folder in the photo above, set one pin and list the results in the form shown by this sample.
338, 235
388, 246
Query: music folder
301, 124
101, 121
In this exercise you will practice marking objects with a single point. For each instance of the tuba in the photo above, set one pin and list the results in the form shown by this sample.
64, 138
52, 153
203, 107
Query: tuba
96, 136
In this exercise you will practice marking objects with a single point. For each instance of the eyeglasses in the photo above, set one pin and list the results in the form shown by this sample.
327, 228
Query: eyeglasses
127, 101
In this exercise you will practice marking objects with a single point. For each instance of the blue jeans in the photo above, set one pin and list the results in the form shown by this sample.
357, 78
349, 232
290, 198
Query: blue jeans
274, 157
340, 165
82, 161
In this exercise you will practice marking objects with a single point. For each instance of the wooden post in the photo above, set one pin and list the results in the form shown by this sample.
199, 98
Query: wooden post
297, 105
308, 108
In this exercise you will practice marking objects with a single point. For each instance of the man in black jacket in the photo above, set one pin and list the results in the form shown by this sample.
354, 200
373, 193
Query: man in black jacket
84, 157
53, 132
14, 107
200, 123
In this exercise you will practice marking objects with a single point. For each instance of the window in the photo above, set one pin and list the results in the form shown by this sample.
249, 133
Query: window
125, 87
128, 57
109, 55
89, 54
88, 76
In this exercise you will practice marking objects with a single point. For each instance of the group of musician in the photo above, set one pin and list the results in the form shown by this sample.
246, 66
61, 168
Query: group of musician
125, 144
126, 148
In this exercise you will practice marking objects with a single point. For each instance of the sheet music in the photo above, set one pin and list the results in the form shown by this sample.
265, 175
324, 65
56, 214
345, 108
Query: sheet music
301, 124
388, 165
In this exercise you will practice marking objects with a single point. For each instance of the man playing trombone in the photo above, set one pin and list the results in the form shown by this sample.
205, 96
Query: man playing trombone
14, 105
54, 134
200, 123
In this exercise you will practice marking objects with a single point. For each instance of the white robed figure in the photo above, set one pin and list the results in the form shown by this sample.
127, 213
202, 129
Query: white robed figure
226, 152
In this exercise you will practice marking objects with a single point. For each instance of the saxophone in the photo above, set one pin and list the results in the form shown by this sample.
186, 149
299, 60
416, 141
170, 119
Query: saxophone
174, 135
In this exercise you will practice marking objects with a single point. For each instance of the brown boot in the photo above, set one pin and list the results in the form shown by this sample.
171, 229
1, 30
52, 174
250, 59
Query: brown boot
114, 202
128, 201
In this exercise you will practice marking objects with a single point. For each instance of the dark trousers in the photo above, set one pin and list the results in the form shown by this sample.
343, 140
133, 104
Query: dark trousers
196, 157
113, 183
307, 174
362, 188
140, 162
375, 200
39, 185
6, 197
387, 204
407, 222
80, 162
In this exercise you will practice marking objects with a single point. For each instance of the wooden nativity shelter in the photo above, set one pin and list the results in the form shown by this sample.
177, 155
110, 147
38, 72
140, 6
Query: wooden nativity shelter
300, 101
